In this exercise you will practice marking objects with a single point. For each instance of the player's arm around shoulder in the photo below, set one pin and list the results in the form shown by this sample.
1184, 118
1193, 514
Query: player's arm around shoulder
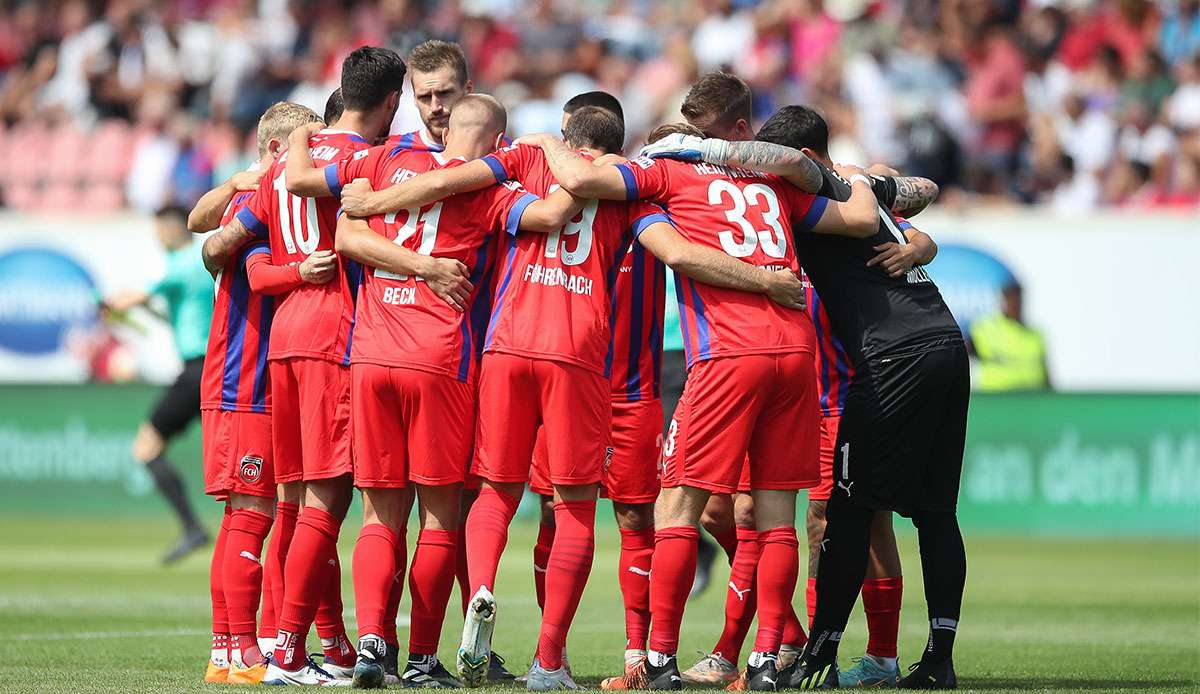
548, 215
207, 213
714, 267
220, 248
577, 174
857, 217
446, 277
302, 177
360, 200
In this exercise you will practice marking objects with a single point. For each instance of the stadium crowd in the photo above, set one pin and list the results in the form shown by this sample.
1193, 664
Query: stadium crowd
1075, 103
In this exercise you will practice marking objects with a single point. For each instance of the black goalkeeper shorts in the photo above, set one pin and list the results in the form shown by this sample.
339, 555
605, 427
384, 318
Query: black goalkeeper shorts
900, 441
180, 402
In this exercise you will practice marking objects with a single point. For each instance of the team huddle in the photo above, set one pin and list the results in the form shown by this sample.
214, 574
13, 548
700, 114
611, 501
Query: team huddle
446, 317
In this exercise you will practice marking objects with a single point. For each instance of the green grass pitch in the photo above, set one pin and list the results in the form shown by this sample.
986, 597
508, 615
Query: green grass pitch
85, 608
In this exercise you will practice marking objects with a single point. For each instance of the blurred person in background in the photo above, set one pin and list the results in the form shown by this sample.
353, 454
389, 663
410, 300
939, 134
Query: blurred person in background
1010, 354
187, 289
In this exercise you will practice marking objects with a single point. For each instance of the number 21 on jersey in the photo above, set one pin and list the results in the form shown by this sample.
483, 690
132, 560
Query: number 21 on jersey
428, 223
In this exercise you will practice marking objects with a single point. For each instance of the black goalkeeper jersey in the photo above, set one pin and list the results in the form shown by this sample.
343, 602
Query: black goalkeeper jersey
871, 314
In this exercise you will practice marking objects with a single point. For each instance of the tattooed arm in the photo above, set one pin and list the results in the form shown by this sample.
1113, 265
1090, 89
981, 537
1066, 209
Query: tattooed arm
767, 157
913, 194
206, 215
219, 248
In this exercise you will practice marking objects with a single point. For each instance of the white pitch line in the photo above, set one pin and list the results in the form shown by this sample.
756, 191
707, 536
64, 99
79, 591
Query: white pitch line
144, 634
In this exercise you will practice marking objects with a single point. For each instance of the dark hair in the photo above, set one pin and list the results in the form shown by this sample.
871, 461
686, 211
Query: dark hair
672, 129
595, 127
434, 54
369, 75
334, 106
597, 98
172, 212
718, 98
796, 127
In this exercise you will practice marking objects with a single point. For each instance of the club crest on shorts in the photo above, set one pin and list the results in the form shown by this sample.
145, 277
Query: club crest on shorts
250, 469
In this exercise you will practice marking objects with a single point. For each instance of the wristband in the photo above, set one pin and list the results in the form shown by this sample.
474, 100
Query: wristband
860, 177
714, 151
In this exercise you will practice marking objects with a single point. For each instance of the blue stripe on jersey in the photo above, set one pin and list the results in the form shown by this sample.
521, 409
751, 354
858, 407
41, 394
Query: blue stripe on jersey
254, 224
638, 287
814, 310
481, 308
331, 179
508, 269
266, 315
513, 223
640, 225
611, 283
235, 334
497, 168
683, 323
405, 141
631, 189
815, 210
656, 326
354, 274
468, 322
701, 322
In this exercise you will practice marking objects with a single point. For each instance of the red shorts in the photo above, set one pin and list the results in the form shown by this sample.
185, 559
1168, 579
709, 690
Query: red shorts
410, 426
761, 405
237, 453
517, 395
631, 475
829, 432
310, 419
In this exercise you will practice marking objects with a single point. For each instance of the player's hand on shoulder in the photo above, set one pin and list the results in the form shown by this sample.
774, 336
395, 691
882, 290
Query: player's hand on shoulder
306, 131
535, 139
848, 170
676, 146
247, 180
893, 258
786, 289
449, 279
882, 170
357, 197
319, 268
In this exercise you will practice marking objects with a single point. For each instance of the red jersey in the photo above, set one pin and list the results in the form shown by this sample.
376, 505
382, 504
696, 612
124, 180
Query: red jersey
416, 141
833, 365
555, 297
313, 320
748, 215
235, 363
401, 322
637, 326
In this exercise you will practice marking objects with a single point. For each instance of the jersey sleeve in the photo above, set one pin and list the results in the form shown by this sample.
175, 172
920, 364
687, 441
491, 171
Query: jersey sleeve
256, 212
361, 164
644, 214
645, 178
884, 188
265, 277
512, 163
802, 209
507, 204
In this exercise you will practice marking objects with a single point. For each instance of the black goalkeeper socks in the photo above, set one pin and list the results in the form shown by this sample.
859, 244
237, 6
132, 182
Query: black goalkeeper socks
170, 485
840, 574
944, 567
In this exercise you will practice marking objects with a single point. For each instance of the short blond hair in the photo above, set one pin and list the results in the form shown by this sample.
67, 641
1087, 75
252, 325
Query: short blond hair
280, 120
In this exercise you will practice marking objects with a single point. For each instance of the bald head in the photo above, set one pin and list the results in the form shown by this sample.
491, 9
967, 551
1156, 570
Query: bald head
476, 125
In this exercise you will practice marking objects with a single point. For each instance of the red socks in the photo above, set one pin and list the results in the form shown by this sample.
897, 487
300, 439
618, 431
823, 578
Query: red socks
216, 589
330, 628
541, 557
430, 585
567, 573
374, 572
310, 561
242, 571
393, 604
741, 600
779, 563
673, 570
266, 609
881, 601
276, 554
633, 575
810, 599
728, 539
487, 533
